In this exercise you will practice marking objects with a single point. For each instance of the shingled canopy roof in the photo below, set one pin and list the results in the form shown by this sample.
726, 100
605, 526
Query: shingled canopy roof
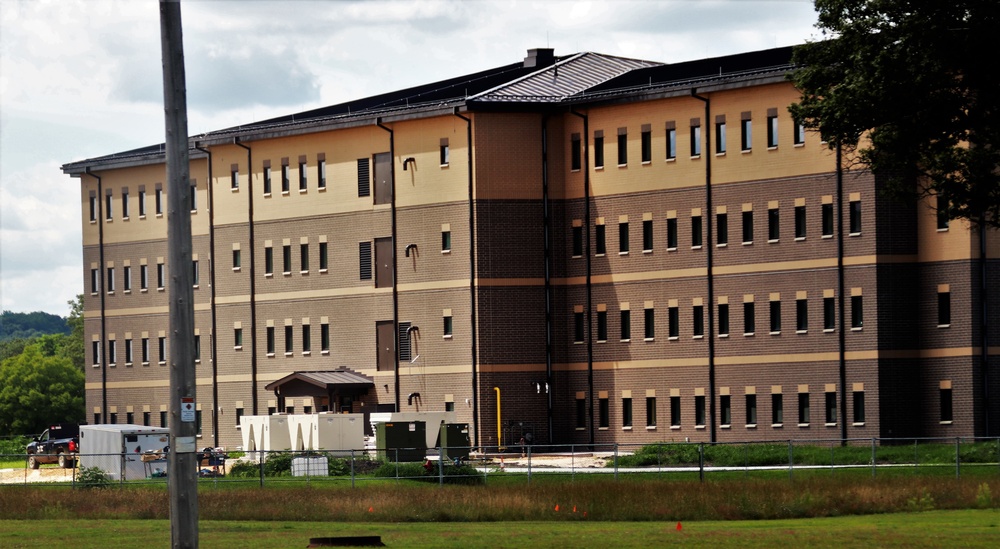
321, 383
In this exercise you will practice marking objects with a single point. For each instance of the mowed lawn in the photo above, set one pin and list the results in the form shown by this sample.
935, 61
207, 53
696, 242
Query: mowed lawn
963, 528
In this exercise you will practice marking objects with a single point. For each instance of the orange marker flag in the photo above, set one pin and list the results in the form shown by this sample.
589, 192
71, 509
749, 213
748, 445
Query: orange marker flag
678, 526
557, 507
370, 509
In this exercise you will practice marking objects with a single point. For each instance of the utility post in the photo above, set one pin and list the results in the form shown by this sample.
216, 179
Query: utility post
181, 464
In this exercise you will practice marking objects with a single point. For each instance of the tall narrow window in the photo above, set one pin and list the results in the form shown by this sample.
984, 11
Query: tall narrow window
95, 281
197, 348
777, 409
142, 201
749, 320
159, 200
163, 349
578, 327
321, 168
600, 242
581, 413
650, 411
602, 326
109, 201
623, 237
647, 143
943, 212
855, 218
698, 320
626, 325
448, 326
267, 177
195, 280
234, 175
127, 278
237, 259
622, 146
748, 227
746, 133
773, 224
857, 312
324, 258
775, 307
829, 314
603, 413
324, 337
944, 308
647, 235
144, 350
650, 323
112, 352
599, 149
772, 128
303, 176
751, 404
444, 152
268, 260
859, 406
193, 202
161, 276
95, 352
801, 315
947, 414
575, 152
831, 407
577, 241
827, 211
627, 412
672, 233
696, 231
304, 257
288, 340
270, 340
675, 411
286, 259
804, 408
723, 319
237, 338
286, 183
673, 322
720, 134
800, 222
699, 411
725, 410
671, 141
799, 135
93, 208
721, 229
695, 137
143, 277
125, 203
306, 339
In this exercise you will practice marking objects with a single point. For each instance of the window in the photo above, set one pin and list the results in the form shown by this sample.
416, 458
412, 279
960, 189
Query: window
324, 258
650, 411
699, 410
303, 257
303, 182
270, 340
723, 319
671, 141
943, 212
162, 356
675, 411
286, 259
285, 182
772, 128
673, 322
600, 246
598, 149
581, 413
128, 351
647, 235
855, 218
146, 418
827, 212
125, 211
197, 348
268, 260
803, 408
622, 147
237, 260
720, 135
95, 352
626, 327
108, 203
95, 281
144, 350
163, 419
143, 277
775, 307
748, 227
324, 337
746, 134
578, 330
647, 143
234, 178
777, 409
946, 405
288, 340
238, 338
800, 222
627, 412
829, 314
159, 201
306, 339
197, 421
749, 323
623, 238
650, 323
321, 168
577, 241
799, 134
773, 224
142, 201
444, 153
831, 407
725, 410
127, 278
449, 325
859, 406
857, 312
114, 418
112, 352
446, 241
602, 326
721, 229
576, 153
696, 231
695, 137
365, 260
944, 308
698, 320
672, 233
449, 406
239, 416
194, 273
267, 178
93, 208
161, 276
603, 413
751, 401
193, 202
801, 315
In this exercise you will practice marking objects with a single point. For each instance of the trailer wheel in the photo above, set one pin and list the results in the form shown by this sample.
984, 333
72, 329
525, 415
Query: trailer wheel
65, 461
33, 462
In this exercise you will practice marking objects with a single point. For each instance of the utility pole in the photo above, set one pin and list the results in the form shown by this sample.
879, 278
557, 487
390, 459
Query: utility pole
181, 464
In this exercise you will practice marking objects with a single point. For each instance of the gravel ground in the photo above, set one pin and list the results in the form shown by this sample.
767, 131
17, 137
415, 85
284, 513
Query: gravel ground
44, 474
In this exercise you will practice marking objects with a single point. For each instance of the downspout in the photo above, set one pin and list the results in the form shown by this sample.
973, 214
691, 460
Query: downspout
101, 293
588, 256
709, 257
547, 264
395, 268
253, 277
842, 337
984, 323
211, 282
472, 282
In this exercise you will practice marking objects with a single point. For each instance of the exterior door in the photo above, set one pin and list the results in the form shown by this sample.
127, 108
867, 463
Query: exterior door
384, 253
383, 178
385, 338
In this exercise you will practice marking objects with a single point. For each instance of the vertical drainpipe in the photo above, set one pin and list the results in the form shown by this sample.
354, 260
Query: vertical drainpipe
547, 264
588, 255
253, 276
211, 281
395, 269
101, 294
710, 248
472, 283
842, 337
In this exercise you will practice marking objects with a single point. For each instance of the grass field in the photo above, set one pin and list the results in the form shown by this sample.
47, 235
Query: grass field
968, 528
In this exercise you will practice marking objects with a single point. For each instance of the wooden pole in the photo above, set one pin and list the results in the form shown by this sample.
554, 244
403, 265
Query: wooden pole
181, 465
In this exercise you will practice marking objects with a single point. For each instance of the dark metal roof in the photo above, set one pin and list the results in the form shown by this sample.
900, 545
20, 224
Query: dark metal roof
342, 376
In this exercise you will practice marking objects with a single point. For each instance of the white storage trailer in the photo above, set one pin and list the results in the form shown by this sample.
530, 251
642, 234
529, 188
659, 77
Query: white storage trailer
117, 449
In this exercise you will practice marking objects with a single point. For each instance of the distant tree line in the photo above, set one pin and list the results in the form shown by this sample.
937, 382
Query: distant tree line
29, 325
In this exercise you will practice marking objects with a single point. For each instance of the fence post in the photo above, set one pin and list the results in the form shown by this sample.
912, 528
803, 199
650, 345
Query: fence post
958, 458
790, 459
529, 464
260, 468
616, 461
916, 459
352, 468
701, 461
746, 460
441, 453
572, 462
873, 457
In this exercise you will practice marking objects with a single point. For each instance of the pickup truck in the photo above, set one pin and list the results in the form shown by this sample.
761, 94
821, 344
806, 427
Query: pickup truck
57, 444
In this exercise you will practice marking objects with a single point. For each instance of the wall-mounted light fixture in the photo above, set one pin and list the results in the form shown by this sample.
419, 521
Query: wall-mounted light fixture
409, 160
410, 397
410, 246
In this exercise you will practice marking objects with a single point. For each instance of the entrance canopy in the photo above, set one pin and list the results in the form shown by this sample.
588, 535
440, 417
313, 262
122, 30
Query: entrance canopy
327, 386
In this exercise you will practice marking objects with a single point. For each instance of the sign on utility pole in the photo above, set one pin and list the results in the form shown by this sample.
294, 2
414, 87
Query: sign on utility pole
182, 461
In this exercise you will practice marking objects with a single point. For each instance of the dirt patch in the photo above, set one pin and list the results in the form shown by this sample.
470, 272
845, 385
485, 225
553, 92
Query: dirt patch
43, 474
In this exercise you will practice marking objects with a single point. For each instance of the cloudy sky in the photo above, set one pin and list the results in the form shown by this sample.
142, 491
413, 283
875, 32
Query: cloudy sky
82, 78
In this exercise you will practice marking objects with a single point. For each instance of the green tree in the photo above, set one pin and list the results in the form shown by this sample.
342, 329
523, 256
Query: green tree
920, 80
73, 347
38, 387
